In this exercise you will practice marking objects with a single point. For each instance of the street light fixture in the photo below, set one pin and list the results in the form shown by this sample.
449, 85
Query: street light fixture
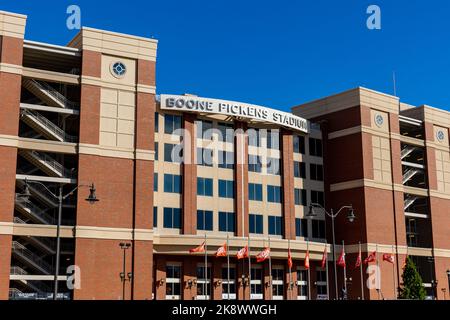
350, 217
123, 279
25, 196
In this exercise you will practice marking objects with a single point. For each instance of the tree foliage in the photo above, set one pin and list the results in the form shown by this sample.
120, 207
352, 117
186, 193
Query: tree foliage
413, 287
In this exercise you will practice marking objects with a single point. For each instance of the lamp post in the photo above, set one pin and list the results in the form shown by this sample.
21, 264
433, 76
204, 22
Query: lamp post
431, 261
92, 198
350, 217
448, 279
123, 274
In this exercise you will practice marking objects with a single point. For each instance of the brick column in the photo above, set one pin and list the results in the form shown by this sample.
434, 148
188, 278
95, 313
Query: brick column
267, 290
161, 278
241, 179
242, 293
189, 273
189, 168
217, 276
11, 54
291, 294
287, 149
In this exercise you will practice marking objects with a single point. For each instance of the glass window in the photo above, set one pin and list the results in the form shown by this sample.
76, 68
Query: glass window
155, 182
299, 144
172, 183
205, 187
255, 192
204, 129
316, 172
155, 217
156, 151
318, 229
226, 159
228, 283
203, 285
256, 284
226, 189
204, 157
156, 122
301, 227
204, 220
275, 227
321, 277
315, 147
226, 132
300, 197
273, 139
273, 166
299, 169
256, 223
226, 222
317, 197
278, 283
254, 163
171, 123
173, 282
178, 154
254, 137
274, 194
302, 284
172, 218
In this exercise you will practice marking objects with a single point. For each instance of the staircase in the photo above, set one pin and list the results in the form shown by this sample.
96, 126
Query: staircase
35, 287
407, 150
31, 259
48, 94
44, 126
409, 174
409, 201
46, 163
38, 192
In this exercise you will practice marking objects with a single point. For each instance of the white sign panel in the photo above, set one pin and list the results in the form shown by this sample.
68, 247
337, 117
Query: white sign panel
235, 109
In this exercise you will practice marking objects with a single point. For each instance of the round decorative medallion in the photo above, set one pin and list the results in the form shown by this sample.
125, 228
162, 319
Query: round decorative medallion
118, 69
379, 120
440, 135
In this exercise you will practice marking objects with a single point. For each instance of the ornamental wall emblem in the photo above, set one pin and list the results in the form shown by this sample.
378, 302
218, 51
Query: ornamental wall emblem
118, 69
379, 120
440, 135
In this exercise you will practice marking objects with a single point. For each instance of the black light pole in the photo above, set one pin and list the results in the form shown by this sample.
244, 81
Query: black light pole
60, 197
350, 217
431, 261
123, 279
448, 279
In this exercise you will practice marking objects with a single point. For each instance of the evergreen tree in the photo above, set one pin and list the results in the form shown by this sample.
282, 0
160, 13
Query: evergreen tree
412, 283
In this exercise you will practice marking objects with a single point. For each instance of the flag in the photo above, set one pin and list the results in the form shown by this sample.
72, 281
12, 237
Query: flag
222, 251
341, 260
263, 255
289, 259
389, 258
200, 248
358, 260
307, 260
371, 258
405, 262
324, 258
243, 253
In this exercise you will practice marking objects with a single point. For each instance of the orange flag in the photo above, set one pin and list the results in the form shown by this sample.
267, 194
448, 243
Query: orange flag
371, 258
243, 253
222, 251
341, 260
289, 259
263, 255
307, 260
200, 248
389, 258
358, 260
324, 257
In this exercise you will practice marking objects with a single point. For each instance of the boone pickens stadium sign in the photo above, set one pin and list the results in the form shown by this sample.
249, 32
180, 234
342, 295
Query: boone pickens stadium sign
235, 109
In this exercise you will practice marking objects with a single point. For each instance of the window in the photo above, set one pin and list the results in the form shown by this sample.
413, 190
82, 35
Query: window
315, 147
316, 172
172, 183
273, 166
256, 223
255, 192
226, 221
229, 283
321, 278
204, 157
203, 285
156, 122
256, 283
172, 218
254, 163
155, 217
226, 189
275, 227
226, 160
300, 197
204, 129
177, 153
278, 283
301, 227
155, 182
274, 194
226, 132
204, 220
299, 144
299, 169
205, 187
302, 284
317, 197
156, 151
171, 123
273, 139
173, 282
318, 229
253, 137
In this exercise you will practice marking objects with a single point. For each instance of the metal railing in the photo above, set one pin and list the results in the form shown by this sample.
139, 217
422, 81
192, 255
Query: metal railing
36, 211
55, 94
20, 250
52, 163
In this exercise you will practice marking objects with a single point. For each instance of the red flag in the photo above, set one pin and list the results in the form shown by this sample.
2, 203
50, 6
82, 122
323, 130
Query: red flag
289, 259
200, 248
389, 258
263, 255
243, 253
358, 260
404, 262
371, 258
307, 260
324, 258
222, 251
341, 260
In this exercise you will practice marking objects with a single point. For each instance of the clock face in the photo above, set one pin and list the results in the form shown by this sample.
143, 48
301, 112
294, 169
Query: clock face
440, 135
379, 120
118, 69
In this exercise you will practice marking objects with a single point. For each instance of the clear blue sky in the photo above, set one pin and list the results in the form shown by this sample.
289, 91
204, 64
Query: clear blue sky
274, 53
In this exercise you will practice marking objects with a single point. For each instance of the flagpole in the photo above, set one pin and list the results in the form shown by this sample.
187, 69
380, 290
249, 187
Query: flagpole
206, 270
309, 271
379, 272
361, 271
326, 270
290, 270
345, 270
228, 264
249, 269
393, 276
270, 272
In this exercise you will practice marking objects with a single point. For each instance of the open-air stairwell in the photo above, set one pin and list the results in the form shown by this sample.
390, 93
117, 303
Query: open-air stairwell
33, 212
45, 127
409, 201
39, 192
36, 287
30, 258
42, 243
46, 163
409, 174
48, 94
407, 150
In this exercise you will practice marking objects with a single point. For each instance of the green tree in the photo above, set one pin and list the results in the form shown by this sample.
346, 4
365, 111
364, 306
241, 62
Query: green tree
412, 283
